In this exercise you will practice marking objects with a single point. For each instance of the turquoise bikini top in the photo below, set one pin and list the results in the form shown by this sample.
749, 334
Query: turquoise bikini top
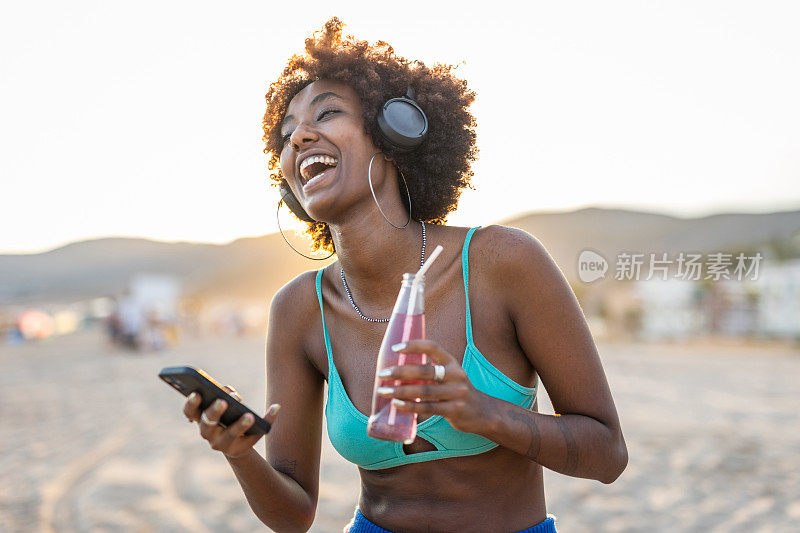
347, 426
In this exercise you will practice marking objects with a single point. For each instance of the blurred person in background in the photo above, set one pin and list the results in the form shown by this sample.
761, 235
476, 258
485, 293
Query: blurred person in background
131, 320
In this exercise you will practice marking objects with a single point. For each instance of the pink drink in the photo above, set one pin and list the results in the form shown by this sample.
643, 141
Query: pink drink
386, 422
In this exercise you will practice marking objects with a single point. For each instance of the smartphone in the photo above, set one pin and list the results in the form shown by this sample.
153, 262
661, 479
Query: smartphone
187, 379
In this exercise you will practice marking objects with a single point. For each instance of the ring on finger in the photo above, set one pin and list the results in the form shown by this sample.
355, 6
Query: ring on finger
438, 373
205, 419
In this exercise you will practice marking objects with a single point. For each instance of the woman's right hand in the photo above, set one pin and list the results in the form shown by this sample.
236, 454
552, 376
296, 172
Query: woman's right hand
230, 440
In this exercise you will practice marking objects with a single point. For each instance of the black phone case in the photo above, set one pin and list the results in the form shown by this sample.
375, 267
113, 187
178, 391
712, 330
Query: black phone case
186, 380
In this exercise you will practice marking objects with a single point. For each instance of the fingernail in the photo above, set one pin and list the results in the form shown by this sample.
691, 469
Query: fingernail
247, 419
385, 390
219, 404
400, 346
193, 396
274, 409
386, 372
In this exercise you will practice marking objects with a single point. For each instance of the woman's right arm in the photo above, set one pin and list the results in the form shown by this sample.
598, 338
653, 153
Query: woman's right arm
282, 489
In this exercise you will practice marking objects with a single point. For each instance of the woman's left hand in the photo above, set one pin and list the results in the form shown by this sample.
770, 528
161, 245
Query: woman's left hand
454, 398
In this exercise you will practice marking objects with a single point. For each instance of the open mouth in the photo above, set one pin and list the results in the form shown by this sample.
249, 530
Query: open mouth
312, 168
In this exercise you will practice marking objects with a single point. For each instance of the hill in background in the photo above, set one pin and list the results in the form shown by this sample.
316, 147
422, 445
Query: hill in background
254, 268
612, 231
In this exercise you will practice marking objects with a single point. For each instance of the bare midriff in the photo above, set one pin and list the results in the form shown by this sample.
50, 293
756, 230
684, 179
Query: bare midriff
495, 491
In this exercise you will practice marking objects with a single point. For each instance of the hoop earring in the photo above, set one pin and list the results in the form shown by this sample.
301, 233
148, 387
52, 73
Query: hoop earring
369, 178
278, 218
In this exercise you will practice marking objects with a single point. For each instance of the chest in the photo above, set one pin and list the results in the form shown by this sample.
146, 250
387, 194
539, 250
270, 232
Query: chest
355, 342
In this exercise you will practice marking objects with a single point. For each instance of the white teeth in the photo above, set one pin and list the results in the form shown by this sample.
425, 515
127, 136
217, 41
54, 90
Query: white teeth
328, 160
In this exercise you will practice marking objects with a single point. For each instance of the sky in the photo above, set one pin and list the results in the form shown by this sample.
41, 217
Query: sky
144, 118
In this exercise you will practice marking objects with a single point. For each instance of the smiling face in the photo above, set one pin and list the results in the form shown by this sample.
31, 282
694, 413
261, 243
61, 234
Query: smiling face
326, 148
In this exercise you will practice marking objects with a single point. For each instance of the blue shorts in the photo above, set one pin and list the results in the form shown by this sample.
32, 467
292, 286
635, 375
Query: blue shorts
362, 525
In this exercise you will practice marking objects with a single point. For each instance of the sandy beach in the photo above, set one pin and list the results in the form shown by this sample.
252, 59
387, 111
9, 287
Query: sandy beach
93, 441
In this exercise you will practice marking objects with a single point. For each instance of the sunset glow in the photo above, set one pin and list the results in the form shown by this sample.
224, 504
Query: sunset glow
119, 122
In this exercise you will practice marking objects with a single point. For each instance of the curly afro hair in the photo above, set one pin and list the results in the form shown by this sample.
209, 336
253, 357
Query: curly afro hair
438, 170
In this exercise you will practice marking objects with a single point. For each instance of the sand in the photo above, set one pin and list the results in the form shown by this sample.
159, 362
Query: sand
93, 441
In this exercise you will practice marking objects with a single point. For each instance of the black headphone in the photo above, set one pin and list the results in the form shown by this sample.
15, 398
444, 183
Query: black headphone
403, 126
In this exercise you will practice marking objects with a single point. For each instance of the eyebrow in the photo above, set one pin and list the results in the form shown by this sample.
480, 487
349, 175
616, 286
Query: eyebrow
314, 101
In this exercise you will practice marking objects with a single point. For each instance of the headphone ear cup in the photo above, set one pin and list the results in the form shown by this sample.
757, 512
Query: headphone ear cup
402, 123
288, 198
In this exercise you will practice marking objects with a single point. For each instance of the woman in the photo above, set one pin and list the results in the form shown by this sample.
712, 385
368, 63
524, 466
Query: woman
477, 462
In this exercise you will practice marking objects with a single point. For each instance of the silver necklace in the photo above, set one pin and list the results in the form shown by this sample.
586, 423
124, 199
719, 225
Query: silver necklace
350, 296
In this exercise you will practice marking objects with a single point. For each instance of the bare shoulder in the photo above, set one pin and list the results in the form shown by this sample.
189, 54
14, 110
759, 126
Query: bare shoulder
509, 256
289, 324
294, 301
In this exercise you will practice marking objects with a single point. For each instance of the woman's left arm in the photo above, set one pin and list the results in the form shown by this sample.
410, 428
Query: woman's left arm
584, 439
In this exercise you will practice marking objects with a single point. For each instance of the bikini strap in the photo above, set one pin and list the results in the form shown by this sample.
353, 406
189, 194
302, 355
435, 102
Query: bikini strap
331, 367
465, 270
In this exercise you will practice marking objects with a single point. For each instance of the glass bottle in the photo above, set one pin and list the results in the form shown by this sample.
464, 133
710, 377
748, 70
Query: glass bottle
387, 422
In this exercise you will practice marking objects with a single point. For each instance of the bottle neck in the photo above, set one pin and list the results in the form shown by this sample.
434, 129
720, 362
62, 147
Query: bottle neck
409, 277
412, 294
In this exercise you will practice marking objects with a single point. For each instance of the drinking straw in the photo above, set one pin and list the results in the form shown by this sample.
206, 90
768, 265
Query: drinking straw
413, 299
